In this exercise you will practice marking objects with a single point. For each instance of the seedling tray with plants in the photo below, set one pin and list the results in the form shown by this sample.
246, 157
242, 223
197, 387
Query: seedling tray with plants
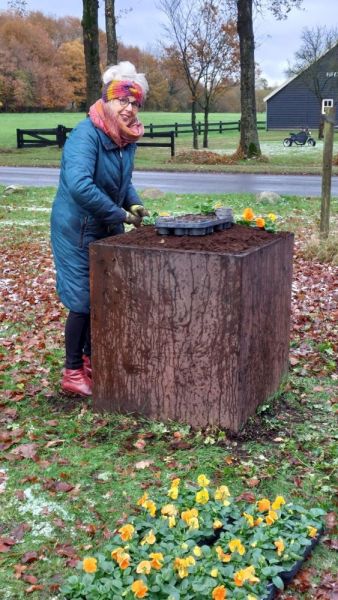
191, 224
193, 541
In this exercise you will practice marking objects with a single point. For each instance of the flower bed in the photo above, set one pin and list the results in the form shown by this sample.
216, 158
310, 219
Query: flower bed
195, 542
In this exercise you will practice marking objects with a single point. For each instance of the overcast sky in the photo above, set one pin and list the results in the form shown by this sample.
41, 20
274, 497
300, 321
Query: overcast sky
276, 41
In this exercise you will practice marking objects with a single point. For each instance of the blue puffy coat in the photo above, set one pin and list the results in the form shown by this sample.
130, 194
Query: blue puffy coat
94, 189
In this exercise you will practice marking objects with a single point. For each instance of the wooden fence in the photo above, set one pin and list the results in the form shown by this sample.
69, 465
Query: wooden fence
36, 138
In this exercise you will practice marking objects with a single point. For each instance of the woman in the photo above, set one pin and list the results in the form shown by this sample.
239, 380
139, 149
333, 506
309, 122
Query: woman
94, 199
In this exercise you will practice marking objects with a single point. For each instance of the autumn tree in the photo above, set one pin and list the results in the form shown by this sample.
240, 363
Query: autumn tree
217, 41
249, 142
91, 50
321, 82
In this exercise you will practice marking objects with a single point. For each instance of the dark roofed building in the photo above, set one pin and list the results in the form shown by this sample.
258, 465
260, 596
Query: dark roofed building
300, 101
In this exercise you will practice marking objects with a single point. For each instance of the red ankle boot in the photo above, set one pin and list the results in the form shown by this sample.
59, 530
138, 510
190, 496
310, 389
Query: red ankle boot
87, 365
77, 382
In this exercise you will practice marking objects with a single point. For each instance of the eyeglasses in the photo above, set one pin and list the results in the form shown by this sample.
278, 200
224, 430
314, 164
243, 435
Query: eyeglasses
125, 102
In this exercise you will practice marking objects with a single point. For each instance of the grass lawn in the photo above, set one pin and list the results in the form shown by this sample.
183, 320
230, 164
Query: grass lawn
67, 474
277, 159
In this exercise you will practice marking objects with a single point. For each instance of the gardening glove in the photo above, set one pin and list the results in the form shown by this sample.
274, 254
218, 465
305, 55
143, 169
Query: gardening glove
138, 209
131, 219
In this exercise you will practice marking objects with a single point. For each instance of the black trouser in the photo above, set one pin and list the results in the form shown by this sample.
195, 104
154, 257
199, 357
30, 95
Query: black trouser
77, 339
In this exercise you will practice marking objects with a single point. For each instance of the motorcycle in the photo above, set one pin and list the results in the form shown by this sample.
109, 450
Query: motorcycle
300, 139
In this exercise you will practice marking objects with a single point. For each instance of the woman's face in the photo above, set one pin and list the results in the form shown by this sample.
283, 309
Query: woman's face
125, 108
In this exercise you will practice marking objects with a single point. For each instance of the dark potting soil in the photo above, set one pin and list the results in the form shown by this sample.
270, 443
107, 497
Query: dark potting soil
237, 238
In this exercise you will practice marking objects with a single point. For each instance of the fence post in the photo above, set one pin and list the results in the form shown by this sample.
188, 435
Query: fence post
172, 143
199, 128
61, 135
239, 125
151, 129
220, 127
176, 130
19, 136
329, 124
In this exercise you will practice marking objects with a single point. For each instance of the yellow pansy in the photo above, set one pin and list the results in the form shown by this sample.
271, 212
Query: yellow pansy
263, 505
175, 482
251, 597
272, 217
89, 564
169, 509
222, 555
219, 593
171, 522
277, 503
139, 588
202, 497
312, 531
236, 545
280, 546
173, 493
144, 567
115, 553
126, 532
214, 572
149, 538
203, 481
243, 575
222, 493
150, 506
181, 565
123, 560
258, 521
271, 517
217, 524
156, 560
142, 500
250, 519
248, 214
197, 551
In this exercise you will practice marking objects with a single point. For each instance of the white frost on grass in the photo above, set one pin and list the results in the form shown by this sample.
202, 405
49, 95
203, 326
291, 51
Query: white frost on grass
39, 507
21, 223
3, 480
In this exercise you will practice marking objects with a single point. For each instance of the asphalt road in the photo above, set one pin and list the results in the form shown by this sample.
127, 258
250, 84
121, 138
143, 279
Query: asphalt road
204, 183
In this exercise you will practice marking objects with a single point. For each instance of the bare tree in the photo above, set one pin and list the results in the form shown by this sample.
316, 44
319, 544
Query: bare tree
315, 43
112, 45
91, 50
19, 6
184, 18
199, 37
218, 52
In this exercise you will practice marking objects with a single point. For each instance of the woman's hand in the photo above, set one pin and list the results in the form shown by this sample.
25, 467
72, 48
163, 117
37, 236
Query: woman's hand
133, 219
139, 210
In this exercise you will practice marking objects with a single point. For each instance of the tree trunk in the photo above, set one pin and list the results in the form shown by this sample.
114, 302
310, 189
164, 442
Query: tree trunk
112, 46
206, 125
249, 142
194, 125
91, 50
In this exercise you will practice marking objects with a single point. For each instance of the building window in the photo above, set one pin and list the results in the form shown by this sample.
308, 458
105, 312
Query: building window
326, 103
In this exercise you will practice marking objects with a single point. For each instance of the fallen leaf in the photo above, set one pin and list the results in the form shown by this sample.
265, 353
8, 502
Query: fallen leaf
34, 588
253, 482
140, 444
143, 464
29, 557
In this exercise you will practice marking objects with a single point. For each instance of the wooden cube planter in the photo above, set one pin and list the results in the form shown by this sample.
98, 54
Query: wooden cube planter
191, 335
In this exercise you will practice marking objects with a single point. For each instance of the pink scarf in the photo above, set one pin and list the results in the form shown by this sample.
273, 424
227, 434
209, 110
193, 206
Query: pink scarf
102, 117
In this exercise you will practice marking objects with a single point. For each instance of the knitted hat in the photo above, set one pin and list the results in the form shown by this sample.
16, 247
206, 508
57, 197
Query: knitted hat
122, 89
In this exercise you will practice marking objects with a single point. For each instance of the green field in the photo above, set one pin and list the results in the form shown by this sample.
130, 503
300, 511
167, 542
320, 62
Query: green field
277, 159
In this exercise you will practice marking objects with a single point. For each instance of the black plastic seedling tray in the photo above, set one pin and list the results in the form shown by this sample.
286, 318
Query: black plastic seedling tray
191, 225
